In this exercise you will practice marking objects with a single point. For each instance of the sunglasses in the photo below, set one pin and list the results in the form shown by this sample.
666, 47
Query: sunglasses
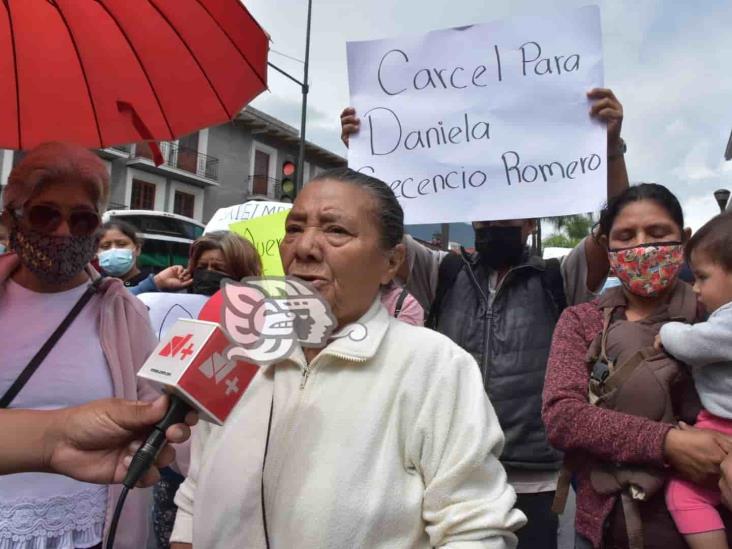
47, 219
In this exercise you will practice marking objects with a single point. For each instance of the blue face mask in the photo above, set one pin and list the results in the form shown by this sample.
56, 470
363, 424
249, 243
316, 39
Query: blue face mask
2, 249
117, 261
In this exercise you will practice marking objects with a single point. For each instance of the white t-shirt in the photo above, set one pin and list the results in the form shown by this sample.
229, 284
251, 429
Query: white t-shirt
41, 510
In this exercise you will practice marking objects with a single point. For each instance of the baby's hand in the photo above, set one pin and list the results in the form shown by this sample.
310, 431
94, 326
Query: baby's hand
657, 344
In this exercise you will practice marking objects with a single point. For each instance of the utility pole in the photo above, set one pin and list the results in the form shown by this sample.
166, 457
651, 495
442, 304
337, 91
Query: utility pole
445, 236
304, 88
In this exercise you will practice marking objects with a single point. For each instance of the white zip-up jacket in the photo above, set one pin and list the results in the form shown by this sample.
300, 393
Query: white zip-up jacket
389, 442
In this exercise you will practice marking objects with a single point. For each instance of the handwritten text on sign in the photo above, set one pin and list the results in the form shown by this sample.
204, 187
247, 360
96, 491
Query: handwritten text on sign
484, 122
266, 234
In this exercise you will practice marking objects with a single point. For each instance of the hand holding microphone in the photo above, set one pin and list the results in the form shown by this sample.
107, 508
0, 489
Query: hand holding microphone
95, 442
190, 365
92, 443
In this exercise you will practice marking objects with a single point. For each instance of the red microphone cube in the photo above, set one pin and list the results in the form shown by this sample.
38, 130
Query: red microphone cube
191, 363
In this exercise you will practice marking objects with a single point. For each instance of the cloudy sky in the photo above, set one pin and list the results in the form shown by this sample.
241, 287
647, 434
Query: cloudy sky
669, 62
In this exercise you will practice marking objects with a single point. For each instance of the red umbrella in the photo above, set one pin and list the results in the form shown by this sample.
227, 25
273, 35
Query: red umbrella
107, 72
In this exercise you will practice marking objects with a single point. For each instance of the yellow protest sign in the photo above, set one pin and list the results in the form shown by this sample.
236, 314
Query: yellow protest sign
265, 233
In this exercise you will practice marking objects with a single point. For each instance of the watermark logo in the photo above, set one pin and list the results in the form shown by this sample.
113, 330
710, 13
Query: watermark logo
267, 318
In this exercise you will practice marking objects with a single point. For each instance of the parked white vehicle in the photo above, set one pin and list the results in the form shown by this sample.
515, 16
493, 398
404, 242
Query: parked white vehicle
167, 237
554, 253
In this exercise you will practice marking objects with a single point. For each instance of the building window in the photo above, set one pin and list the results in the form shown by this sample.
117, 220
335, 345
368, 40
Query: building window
183, 203
261, 177
143, 195
188, 153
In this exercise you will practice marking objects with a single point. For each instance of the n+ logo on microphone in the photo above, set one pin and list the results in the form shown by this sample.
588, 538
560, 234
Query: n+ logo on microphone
175, 347
231, 386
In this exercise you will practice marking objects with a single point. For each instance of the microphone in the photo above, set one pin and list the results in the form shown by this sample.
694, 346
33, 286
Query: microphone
190, 365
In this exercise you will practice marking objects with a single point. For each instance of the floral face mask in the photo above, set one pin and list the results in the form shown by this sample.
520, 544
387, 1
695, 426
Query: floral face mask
648, 270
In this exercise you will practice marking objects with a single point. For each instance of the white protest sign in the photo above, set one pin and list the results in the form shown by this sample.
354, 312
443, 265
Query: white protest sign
243, 212
165, 308
484, 122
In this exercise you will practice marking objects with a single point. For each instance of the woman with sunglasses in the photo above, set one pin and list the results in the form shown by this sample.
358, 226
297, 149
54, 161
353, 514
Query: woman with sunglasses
52, 207
119, 248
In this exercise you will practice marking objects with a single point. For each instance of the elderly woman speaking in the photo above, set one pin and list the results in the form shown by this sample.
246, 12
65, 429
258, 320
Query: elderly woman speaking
385, 442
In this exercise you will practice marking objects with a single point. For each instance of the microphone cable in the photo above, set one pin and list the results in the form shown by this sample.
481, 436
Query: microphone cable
145, 457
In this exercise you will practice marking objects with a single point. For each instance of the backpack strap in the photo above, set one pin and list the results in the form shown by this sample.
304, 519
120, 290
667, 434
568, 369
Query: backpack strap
607, 318
563, 482
553, 281
633, 521
450, 267
400, 302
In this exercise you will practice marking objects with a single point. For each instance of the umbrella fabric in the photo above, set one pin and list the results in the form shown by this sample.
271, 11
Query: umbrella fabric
107, 72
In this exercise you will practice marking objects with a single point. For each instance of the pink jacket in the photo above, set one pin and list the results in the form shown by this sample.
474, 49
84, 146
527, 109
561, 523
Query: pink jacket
127, 339
411, 311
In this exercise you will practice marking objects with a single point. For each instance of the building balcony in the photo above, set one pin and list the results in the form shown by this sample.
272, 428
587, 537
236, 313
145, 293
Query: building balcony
261, 186
184, 163
115, 152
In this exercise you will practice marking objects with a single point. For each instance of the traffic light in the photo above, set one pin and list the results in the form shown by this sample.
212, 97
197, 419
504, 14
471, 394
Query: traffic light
287, 182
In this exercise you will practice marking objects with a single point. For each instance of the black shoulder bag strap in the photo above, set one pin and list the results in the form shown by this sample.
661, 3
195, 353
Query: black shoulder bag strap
40, 356
400, 302
554, 284
448, 271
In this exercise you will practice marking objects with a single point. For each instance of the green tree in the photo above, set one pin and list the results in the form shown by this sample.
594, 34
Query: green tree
557, 241
570, 230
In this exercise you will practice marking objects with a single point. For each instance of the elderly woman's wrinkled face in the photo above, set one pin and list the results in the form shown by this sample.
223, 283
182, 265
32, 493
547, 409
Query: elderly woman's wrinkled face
333, 241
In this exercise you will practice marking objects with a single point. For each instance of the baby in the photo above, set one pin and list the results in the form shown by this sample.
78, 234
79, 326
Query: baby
707, 348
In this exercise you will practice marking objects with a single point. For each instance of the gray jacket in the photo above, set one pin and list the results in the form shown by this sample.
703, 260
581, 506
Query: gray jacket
707, 348
508, 330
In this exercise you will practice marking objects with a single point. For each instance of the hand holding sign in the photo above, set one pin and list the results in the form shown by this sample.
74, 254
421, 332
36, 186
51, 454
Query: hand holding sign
608, 109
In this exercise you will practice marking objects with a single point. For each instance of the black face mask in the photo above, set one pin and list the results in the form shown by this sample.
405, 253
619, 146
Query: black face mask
499, 247
207, 282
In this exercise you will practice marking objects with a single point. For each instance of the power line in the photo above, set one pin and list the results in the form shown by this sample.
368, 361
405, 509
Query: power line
287, 56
